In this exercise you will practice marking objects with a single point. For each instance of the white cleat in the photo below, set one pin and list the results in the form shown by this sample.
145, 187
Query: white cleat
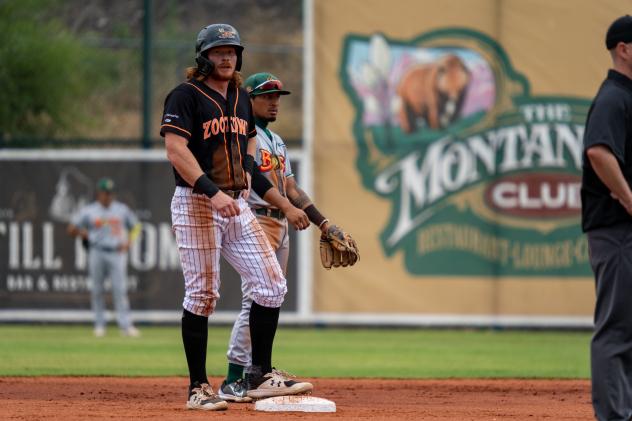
275, 383
132, 332
202, 397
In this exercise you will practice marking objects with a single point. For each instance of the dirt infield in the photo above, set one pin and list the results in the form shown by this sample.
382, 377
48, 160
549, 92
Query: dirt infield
95, 398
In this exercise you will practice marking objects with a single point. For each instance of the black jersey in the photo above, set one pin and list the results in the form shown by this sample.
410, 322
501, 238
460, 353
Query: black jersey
217, 129
609, 123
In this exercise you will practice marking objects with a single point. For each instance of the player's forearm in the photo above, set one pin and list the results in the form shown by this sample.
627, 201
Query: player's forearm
301, 200
298, 197
187, 166
275, 198
607, 168
72, 230
75, 231
182, 159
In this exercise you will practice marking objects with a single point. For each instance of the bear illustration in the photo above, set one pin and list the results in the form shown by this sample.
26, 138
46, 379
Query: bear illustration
432, 93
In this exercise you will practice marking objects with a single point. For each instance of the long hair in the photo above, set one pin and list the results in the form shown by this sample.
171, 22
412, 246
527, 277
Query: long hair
194, 73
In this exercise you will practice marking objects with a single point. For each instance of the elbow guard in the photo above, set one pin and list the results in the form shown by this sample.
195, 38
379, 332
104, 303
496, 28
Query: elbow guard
260, 184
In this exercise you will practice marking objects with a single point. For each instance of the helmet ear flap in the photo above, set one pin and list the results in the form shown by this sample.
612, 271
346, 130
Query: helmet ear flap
238, 65
205, 66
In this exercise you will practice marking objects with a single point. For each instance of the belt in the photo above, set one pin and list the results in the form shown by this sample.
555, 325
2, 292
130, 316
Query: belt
105, 248
235, 194
273, 213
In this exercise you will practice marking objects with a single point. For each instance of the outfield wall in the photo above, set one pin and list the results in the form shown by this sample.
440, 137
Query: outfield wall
445, 136
43, 271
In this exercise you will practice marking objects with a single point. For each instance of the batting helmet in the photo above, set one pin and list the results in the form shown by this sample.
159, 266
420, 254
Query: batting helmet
216, 35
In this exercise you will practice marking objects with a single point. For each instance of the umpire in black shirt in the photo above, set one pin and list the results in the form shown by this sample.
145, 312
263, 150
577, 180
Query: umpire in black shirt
607, 221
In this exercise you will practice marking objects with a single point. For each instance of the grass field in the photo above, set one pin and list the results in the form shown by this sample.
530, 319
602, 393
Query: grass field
309, 352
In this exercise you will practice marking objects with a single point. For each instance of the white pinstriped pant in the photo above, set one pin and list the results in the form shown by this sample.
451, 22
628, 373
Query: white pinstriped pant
202, 234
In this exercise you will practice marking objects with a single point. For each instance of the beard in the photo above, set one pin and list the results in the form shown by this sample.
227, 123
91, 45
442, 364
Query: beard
221, 77
270, 119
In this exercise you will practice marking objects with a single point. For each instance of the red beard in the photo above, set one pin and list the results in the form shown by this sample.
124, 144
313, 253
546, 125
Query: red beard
217, 76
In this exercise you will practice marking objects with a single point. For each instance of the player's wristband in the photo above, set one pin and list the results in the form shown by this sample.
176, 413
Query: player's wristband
314, 216
249, 164
205, 186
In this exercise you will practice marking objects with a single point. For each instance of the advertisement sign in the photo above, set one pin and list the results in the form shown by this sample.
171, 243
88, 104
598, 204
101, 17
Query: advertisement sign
42, 268
477, 168
448, 140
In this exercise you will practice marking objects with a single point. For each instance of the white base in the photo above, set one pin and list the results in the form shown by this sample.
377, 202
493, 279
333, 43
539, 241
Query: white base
300, 403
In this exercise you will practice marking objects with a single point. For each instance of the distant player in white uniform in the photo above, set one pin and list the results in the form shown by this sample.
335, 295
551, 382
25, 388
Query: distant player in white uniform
107, 228
271, 158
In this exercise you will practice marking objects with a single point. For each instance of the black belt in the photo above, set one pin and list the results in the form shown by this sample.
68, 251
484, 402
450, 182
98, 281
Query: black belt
235, 194
273, 213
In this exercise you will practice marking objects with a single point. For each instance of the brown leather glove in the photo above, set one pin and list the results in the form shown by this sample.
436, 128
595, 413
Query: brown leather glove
337, 248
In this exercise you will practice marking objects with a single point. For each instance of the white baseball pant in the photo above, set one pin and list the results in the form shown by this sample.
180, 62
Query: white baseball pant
202, 234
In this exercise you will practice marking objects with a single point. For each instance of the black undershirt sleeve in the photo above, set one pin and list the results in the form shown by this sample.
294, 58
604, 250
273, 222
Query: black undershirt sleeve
249, 164
260, 184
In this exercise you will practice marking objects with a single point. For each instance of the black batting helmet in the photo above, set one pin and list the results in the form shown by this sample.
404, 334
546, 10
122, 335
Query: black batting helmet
216, 35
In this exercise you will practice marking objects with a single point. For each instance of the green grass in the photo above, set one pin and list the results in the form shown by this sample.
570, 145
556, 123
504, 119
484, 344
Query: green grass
313, 352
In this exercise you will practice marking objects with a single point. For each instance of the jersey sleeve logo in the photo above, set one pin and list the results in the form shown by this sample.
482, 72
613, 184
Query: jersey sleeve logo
170, 117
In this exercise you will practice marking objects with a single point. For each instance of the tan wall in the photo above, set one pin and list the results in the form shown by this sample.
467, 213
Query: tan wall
557, 44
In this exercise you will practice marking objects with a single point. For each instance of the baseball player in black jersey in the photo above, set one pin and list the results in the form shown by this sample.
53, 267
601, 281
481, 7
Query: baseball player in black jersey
209, 132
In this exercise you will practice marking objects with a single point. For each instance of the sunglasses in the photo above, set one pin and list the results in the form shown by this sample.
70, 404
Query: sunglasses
269, 85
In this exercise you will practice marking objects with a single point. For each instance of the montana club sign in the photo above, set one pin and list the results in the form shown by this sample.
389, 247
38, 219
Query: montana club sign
484, 178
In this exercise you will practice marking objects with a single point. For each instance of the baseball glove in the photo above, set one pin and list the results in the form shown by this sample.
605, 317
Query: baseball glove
337, 248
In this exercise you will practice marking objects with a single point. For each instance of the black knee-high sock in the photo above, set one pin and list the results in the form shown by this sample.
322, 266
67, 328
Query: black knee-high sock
263, 325
195, 338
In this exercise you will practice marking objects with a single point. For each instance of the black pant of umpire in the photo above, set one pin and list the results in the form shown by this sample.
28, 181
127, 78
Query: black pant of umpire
611, 347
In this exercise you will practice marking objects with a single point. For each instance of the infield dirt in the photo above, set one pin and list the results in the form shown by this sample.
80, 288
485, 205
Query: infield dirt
160, 398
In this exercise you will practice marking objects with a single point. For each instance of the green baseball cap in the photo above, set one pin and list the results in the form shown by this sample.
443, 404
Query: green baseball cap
105, 184
264, 83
